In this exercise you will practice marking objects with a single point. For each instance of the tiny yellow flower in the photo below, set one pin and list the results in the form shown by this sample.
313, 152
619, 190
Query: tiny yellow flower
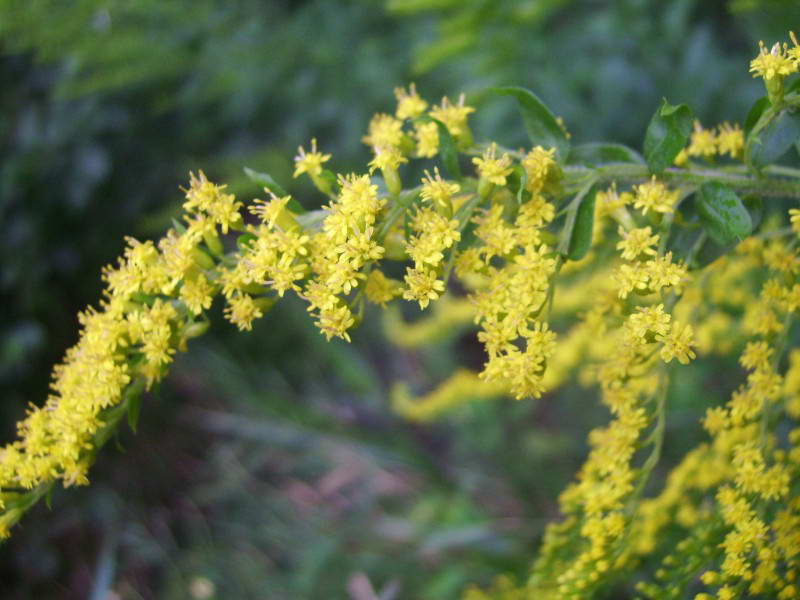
703, 142
454, 116
242, 310
678, 344
794, 219
422, 286
637, 242
385, 131
730, 140
309, 162
437, 190
491, 168
427, 135
386, 158
774, 63
537, 164
409, 104
655, 196
269, 211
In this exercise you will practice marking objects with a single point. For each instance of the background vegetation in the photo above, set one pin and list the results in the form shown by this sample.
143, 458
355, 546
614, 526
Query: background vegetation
270, 465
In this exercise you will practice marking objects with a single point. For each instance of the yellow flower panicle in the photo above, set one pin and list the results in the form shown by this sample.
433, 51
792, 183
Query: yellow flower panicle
627, 323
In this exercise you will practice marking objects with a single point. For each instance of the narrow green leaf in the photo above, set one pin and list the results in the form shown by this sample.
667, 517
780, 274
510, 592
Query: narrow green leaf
407, 198
754, 114
179, 227
581, 240
265, 180
312, 220
543, 128
448, 151
755, 206
522, 194
793, 87
330, 178
464, 213
599, 153
245, 240
724, 216
134, 408
667, 135
576, 236
770, 143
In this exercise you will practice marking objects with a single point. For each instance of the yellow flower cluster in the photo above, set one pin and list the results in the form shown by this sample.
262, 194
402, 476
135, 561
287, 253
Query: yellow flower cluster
598, 505
742, 471
149, 310
517, 343
707, 143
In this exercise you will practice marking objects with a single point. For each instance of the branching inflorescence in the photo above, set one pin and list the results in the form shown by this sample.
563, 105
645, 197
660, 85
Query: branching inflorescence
663, 258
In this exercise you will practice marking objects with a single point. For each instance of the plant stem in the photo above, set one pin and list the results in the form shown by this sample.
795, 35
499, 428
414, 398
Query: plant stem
762, 186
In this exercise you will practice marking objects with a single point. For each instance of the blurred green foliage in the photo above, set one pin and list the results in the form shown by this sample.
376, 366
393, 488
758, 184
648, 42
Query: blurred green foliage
271, 465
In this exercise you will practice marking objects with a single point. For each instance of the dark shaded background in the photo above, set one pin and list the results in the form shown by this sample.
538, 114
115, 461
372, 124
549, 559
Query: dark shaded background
269, 465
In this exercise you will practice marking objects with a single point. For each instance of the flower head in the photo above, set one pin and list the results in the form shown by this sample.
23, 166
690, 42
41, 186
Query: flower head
678, 344
454, 116
637, 242
309, 162
774, 63
409, 103
423, 286
538, 164
427, 135
437, 190
654, 195
385, 131
491, 168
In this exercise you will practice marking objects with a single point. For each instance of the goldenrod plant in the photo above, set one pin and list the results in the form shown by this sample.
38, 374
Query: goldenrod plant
588, 262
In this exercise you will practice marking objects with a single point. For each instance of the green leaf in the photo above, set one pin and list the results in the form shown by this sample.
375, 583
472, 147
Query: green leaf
312, 220
179, 227
581, 240
245, 240
265, 180
134, 408
770, 143
755, 206
754, 114
464, 213
522, 194
599, 153
724, 216
793, 87
408, 198
576, 236
543, 128
330, 178
448, 151
667, 135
